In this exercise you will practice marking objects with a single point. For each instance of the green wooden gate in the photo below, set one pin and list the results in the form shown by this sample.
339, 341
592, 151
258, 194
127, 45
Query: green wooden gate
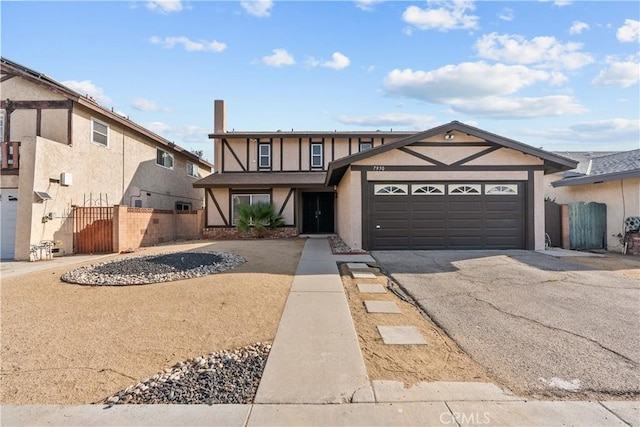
588, 225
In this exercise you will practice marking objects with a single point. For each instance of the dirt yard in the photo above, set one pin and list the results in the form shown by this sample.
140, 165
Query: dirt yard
72, 344
628, 265
439, 360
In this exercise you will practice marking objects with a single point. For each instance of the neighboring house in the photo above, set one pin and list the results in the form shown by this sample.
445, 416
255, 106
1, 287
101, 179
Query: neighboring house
612, 178
60, 149
450, 187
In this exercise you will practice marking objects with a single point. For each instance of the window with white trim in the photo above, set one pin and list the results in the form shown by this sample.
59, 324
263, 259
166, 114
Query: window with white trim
464, 189
264, 155
365, 146
246, 199
316, 156
99, 133
501, 189
192, 170
164, 158
427, 189
183, 206
390, 189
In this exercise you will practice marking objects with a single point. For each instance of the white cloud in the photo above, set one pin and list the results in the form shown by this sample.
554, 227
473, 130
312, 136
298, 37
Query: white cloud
164, 6
157, 127
338, 61
143, 104
519, 108
578, 27
604, 132
87, 87
414, 121
619, 73
561, 3
466, 80
367, 5
483, 90
629, 32
259, 8
544, 51
189, 45
507, 14
180, 134
279, 58
442, 15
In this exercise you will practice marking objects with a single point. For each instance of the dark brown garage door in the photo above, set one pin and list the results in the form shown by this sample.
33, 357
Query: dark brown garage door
472, 215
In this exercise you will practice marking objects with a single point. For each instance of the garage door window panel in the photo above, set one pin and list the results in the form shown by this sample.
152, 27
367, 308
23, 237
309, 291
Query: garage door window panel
391, 189
464, 189
501, 189
427, 189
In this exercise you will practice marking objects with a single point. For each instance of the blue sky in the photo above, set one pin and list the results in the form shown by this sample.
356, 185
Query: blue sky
561, 75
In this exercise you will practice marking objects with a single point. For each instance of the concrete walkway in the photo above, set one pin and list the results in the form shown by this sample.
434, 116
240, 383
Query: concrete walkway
315, 376
315, 356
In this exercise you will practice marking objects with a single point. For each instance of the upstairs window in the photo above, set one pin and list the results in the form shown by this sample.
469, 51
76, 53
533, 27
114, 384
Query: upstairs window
365, 146
264, 155
183, 206
316, 156
99, 133
164, 159
192, 170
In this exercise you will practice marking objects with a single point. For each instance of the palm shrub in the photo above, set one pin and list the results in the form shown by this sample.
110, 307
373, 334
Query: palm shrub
257, 218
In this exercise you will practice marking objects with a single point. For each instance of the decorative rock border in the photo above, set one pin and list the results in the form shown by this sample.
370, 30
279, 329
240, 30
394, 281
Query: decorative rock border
223, 377
147, 269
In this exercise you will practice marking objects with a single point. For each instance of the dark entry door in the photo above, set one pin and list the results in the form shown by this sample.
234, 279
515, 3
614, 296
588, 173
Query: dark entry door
317, 213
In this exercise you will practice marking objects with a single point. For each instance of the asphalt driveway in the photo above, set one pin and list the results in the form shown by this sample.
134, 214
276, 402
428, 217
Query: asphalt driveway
540, 325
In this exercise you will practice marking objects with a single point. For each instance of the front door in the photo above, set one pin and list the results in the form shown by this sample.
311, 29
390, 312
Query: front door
317, 213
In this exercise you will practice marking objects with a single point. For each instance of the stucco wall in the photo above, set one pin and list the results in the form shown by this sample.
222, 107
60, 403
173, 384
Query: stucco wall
222, 197
101, 175
622, 198
350, 209
278, 197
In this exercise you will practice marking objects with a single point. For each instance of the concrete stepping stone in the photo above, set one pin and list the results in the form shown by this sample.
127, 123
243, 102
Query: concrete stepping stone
357, 275
381, 307
401, 335
371, 288
357, 265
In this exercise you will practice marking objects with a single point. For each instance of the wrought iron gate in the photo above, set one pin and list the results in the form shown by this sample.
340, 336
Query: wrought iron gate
92, 230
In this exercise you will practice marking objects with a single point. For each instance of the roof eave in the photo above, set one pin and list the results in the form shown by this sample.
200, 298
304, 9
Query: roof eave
593, 179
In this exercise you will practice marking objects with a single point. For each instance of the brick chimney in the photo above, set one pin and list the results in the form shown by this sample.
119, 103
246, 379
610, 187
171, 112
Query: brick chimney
220, 116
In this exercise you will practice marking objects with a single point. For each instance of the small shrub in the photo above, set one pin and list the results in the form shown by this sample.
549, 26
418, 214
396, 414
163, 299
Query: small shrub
258, 218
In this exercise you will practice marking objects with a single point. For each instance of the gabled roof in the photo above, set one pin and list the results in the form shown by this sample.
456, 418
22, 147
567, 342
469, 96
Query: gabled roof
57, 87
311, 134
600, 168
262, 180
552, 162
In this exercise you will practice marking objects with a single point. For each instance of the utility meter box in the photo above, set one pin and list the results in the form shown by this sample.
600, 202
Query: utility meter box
66, 178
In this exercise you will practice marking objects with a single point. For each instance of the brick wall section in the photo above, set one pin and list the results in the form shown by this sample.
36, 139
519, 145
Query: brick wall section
635, 244
232, 233
138, 227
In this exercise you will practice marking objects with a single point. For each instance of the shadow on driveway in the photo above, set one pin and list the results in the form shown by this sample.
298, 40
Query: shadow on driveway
542, 326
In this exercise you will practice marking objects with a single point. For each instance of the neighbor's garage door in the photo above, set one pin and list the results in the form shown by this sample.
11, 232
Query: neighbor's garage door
8, 216
473, 215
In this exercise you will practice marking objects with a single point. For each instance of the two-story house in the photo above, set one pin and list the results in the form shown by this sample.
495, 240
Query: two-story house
61, 149
451, 187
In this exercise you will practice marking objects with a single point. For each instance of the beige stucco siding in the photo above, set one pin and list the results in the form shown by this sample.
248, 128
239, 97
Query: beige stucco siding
350, 209
278, 198
457, 137
622, 198
222, 198
17, 88
505, 156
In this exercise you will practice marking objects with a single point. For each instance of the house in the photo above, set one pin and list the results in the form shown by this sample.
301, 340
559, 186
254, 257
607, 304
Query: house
451, 187
612, 178
61, 149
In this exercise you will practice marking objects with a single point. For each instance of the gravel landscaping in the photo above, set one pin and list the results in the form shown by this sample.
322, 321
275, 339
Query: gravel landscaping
223, 377
143, 270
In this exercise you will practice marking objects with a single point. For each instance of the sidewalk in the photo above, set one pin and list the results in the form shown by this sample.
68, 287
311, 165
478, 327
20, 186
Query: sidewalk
315, 376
